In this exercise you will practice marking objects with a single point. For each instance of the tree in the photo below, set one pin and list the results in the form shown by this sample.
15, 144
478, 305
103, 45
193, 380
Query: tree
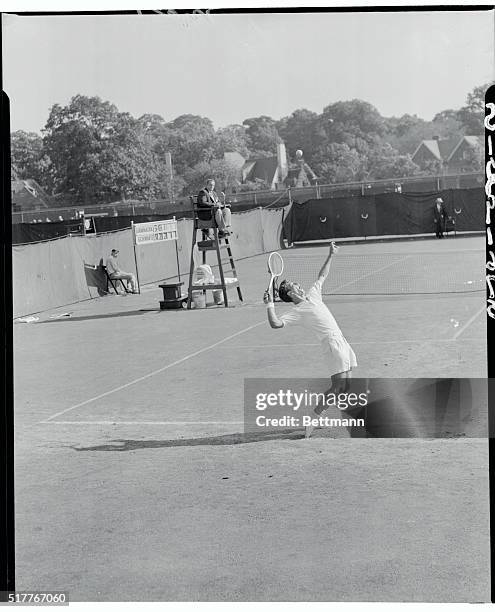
338, 163
262, 134
345, 137
231, 138
190, 139
344, 121
473, 158
385, 162
432, 167
172, 187
154, 127
446, 124
399, 127
472, 114
446, 115
74, 137
27, 156
97, 153
226, 175
298, 131
127, 166
406, 133
151, 123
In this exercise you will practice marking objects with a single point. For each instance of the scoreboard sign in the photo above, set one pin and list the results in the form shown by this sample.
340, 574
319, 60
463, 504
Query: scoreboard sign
155, 231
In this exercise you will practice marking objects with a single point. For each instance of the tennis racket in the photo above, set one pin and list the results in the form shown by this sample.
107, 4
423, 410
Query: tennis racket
275, 268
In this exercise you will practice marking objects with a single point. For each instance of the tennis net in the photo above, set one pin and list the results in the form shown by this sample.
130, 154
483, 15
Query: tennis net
390, 273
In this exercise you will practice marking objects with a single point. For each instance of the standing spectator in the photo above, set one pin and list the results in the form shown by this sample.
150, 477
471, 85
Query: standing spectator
440, 217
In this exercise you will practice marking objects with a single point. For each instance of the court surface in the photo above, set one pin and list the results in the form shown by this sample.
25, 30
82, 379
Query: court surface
134, 481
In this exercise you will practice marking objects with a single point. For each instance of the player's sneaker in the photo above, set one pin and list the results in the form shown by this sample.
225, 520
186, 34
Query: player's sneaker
308, 431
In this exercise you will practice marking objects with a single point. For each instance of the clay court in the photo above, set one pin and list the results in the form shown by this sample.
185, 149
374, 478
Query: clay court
134, 480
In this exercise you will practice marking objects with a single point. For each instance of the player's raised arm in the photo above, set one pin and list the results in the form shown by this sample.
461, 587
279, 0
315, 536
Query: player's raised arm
326, 266
273, 320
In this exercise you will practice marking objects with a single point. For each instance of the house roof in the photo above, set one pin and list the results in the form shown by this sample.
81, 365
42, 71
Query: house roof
246, 169
431, 145
17, 186
472, 141
27, 189
475, 140
262, 168
443, 149
447, 146
234, 157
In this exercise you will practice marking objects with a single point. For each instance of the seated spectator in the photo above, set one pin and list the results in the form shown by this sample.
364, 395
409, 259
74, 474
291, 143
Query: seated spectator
115, 273
207, 198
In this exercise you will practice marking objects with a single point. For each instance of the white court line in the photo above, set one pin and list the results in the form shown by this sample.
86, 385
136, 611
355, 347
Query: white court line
150, 374
468, 323
352, 343
170, 365
143, 422
393, 263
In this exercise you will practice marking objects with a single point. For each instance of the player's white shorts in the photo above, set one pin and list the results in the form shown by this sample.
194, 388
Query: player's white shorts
339, 355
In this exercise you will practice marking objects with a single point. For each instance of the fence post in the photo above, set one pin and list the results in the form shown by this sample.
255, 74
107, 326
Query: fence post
362, 189
255, 200
438, 183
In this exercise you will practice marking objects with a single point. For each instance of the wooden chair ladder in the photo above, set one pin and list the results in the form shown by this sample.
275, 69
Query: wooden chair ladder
217, 244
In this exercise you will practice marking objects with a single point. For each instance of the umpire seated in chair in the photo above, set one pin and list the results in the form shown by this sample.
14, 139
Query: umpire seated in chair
208, 199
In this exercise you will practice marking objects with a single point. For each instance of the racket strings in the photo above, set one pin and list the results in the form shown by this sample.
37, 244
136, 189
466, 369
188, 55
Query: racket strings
275, 264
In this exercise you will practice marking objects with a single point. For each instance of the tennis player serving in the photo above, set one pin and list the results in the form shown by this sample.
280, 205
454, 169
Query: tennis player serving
311, 312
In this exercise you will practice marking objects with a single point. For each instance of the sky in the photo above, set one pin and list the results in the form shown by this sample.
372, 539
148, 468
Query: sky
232, 67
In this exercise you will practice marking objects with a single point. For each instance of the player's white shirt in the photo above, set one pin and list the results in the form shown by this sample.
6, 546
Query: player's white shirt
313, 314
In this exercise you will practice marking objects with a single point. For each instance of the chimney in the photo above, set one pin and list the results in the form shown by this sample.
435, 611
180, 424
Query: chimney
282, 162
436, 137
168, 163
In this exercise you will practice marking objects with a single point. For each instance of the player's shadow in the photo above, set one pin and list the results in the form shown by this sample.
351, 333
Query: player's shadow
421, 408
225, 440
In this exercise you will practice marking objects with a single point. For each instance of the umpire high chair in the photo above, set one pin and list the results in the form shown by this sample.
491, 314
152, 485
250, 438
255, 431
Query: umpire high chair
204, 221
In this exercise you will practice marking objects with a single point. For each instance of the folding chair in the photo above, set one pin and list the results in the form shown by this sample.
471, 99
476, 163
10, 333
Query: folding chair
114, 282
